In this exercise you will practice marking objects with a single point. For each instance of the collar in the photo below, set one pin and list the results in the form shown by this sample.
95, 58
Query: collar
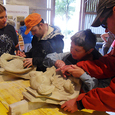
50, 29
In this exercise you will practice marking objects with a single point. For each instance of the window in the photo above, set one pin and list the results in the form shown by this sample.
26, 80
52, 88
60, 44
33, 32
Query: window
88, 14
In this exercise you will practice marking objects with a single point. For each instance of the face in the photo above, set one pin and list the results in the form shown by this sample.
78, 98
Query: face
110, 22
37, 31
77, 52
3, 19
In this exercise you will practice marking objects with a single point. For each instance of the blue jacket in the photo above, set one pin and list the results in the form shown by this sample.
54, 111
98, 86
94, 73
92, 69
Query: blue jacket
27, 38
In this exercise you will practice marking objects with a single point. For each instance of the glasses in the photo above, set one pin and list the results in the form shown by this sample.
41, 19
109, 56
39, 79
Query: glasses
104, 22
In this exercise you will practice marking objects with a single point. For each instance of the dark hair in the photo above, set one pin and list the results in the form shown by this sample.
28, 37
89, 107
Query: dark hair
42, 21
22, 23
2, 8
85, 38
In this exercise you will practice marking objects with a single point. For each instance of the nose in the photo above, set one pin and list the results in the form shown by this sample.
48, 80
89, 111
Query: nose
72, 51
5, 19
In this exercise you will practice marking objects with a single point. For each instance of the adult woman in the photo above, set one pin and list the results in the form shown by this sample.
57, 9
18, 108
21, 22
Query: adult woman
8, 36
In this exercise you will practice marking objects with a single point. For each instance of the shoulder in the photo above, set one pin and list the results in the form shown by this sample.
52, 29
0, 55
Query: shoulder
56, 29
9, 26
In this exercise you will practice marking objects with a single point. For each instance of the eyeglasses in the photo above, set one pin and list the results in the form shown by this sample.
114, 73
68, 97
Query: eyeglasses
104, 22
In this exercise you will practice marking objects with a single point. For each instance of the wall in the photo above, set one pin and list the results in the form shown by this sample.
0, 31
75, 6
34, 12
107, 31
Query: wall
17, 13
43, 7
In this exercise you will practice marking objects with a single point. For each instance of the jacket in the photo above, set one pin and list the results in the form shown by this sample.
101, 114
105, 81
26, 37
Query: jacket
102, 68
27, 38
53, 42
101, 99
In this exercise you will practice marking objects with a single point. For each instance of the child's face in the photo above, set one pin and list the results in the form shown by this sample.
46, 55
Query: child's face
77, 52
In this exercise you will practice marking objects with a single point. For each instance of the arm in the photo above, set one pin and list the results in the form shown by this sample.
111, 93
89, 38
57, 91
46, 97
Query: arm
100, 99
104, 36
88, 81
51, 58
15, 37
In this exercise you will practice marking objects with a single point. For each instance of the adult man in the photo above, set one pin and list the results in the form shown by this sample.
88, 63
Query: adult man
46, 40
100, 99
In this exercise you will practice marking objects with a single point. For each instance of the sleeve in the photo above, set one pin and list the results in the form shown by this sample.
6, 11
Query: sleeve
102, 68
14, 36
90, 83
104, 49
100, 99
109, 42
51, 58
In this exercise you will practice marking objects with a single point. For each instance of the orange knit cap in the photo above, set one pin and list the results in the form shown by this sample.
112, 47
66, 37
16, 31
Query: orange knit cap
32, 20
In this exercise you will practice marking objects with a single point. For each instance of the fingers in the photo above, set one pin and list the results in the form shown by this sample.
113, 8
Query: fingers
58, 69
74, 66
65, 107
22, 54
27, 63
59, 63
67, 70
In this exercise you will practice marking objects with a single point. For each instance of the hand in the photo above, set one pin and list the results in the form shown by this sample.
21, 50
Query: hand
27, 62
19, 53
70, 105
75, 71
65, 69
59, 63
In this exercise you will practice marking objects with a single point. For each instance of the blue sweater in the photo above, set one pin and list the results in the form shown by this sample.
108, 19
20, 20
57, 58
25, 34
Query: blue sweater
27, 38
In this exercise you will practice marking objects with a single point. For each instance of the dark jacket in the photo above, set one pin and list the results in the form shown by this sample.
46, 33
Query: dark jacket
40, 48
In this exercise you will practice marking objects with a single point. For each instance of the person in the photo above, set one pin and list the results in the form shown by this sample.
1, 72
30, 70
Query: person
108, 39
46, 39
27, 38
20, 38
100, 99
82, 48
8, 38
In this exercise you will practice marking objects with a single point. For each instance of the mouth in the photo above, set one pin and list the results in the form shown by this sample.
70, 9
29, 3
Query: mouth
74, 56
4, 23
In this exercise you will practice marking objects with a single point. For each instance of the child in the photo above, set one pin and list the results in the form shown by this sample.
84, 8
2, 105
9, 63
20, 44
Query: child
82, 48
